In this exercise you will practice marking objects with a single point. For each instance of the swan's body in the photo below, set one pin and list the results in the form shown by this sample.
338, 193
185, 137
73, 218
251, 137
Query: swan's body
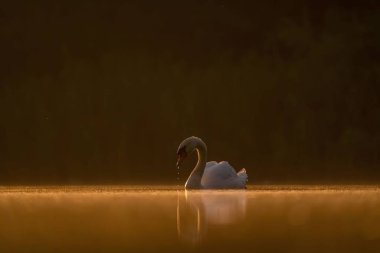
210, 175
223, 175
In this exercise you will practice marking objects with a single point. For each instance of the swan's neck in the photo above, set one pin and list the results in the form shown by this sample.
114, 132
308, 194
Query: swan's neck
194, 180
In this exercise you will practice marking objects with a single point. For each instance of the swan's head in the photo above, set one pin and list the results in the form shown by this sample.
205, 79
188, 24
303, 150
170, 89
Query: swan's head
186, 147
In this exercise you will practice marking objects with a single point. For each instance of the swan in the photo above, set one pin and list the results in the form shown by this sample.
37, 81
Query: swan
210, 175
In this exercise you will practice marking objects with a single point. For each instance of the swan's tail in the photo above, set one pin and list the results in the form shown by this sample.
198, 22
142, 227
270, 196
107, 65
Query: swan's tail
243, 177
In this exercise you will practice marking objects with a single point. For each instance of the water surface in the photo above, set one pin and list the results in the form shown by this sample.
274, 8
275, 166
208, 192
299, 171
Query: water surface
167, 219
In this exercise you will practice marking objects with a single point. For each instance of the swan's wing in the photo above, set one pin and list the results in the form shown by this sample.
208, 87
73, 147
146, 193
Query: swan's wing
219, 170
220, 175
211, 163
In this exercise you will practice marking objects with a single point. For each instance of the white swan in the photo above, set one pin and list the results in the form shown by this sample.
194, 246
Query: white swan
210, 175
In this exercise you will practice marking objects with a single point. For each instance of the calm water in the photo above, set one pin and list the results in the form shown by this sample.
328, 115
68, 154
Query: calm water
153, 219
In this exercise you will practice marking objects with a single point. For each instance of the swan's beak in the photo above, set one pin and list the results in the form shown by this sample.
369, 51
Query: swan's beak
179, 161
180, 158
181, 155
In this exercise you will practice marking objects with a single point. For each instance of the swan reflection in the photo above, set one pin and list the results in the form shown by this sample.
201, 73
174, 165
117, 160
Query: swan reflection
198, 210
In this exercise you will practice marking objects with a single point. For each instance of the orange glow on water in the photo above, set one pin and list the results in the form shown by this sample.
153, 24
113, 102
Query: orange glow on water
77, 219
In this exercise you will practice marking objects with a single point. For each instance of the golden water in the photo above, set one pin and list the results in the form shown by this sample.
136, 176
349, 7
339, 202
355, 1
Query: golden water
166, 219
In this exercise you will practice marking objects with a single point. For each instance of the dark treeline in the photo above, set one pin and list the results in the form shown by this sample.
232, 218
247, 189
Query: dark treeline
100, 92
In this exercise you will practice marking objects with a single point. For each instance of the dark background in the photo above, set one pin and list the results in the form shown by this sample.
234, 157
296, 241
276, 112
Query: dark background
104, 91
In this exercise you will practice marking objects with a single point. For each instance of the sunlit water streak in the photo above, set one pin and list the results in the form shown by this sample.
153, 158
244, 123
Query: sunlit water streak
166, 218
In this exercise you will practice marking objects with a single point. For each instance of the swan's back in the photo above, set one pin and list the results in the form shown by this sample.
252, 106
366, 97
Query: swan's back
223, 176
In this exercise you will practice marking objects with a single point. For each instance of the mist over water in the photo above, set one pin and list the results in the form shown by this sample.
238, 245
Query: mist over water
169, 219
